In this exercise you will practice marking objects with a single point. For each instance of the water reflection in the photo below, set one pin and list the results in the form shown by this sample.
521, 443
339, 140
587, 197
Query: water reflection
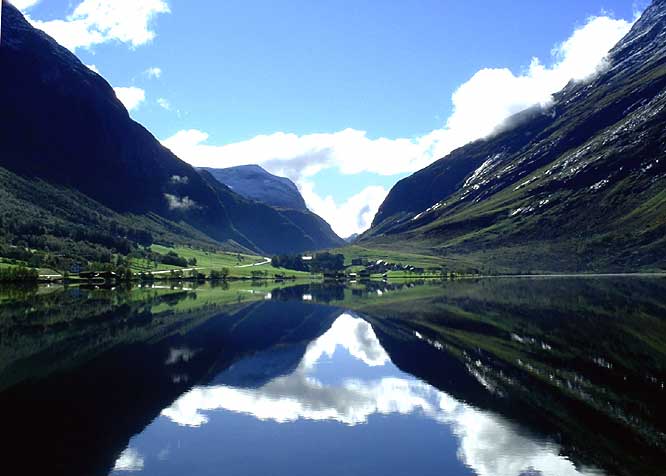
363, 383
490, 377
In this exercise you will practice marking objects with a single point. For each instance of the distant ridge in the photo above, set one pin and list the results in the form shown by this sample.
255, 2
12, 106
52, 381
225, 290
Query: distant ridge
254, 182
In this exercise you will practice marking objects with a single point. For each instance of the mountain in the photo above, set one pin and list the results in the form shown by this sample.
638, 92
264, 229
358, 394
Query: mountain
90, 175
274, 230
576, 186
255, 183
352, 238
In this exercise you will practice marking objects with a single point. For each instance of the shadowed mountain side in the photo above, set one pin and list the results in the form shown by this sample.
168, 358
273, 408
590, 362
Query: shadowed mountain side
62, 122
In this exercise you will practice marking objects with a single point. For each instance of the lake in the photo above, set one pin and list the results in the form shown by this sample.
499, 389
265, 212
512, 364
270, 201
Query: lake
485, 377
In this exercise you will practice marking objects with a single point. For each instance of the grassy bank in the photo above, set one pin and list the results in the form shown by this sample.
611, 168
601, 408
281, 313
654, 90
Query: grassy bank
240, 266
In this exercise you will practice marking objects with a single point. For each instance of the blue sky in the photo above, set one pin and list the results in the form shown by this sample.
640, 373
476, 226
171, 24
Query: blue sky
345, 97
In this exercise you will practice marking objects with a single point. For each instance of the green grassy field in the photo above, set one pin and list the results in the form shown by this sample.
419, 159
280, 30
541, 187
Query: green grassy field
239, 265
390, 255
418, 253
244, 265
42, 271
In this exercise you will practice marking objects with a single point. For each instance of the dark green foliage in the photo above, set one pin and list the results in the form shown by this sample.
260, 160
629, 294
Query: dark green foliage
219, 275
172, 258
42, 225
327, 261
18, 274
319, 263
294, 262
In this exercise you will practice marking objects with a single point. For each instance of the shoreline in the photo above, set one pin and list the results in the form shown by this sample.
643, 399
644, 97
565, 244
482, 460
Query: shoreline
79, 282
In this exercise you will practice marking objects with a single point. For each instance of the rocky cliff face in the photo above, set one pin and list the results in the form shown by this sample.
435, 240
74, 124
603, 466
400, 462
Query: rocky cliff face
579, 185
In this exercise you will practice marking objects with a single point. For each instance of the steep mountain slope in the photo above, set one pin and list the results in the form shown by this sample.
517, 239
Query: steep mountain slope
255, 183
314, 226
578, 186
61, 124
291, 231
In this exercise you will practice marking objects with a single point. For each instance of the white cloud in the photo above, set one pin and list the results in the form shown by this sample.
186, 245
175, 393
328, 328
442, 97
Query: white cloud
180, 180
295, 156
94, 68
480, 106
24, 4
353, 215
154, 72
179, 203
164, 103
98, 21
131, 97
129, 460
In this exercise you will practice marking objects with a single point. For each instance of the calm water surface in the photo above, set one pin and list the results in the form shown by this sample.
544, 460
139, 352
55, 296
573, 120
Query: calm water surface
515, 377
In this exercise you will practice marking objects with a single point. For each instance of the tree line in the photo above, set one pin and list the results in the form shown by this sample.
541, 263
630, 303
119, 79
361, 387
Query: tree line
320, 262
18, 274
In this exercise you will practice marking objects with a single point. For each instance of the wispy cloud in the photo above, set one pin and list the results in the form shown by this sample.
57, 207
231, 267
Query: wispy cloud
129, 460
179, 180
164, 103
154, 72
179, 203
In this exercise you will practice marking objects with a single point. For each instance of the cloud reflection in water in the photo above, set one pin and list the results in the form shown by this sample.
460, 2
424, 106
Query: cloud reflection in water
489, 444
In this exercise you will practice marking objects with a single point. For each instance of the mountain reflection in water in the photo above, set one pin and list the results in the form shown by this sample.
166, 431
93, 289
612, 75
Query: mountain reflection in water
491, 377
488, 444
